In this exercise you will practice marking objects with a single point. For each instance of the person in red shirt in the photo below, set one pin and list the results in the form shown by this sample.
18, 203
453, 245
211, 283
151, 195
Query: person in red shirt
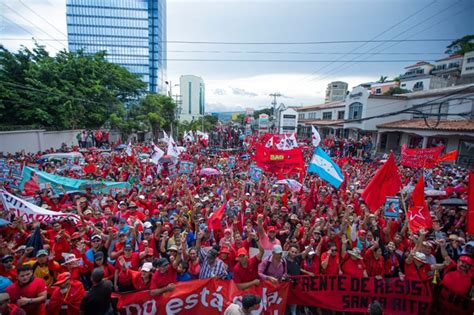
246, 270
66, 296
392, 264
352, 263
28, 292
374, 261
460, 280
330, 261
417, 267
164, 278
312, 259
122, 280
141, 280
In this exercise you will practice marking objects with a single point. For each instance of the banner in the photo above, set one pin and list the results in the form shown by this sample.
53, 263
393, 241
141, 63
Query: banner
33, 178
30, 212
255, 174
279, 162
207, 296
186, 167
9, 172
231, 162
420, 158
447, 302
352, 294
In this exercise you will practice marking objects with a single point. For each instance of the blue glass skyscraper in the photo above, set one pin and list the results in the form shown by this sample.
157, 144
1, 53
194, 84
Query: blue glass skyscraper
133, 32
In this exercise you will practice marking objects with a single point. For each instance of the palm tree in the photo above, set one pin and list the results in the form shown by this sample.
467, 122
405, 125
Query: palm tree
382, 79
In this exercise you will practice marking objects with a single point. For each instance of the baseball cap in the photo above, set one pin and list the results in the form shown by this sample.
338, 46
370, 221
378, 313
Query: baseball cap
148, 266
250, 300
242, 251
277, 249
466, 259
162, 262
271, 229
62, 277
42, 252
96, 236
212, 253
148, 231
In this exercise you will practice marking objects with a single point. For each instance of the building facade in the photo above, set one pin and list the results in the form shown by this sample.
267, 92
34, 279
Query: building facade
336, 91
193, 104
380, 88
132, 32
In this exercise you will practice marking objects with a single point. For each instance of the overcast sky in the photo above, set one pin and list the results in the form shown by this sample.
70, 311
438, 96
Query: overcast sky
238, 85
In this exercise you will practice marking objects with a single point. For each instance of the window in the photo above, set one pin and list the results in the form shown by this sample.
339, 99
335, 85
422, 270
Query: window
327, 115
418, 86
355, 110
403, 85
470, 60
469, 68
340, 114
378, 91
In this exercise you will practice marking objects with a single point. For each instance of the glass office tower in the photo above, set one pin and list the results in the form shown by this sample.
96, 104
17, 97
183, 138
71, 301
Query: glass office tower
133, 32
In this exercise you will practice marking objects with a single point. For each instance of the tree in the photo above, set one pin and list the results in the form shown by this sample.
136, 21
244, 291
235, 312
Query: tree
461, 46
382, 79
396, 90
69, 90
268, 111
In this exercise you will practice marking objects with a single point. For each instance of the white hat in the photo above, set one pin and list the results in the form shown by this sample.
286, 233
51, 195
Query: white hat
277, 249
147, 225
148, 266
69, 258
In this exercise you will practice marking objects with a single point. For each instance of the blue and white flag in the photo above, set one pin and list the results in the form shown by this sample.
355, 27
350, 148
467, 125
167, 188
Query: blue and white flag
322, 165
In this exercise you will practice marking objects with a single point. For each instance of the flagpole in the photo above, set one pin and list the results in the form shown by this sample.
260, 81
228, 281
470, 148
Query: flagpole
402, 195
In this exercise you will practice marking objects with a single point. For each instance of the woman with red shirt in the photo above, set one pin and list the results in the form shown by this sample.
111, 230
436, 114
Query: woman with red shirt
194, 266
374, 261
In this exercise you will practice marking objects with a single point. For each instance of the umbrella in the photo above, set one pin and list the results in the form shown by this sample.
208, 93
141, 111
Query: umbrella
147, 161
209, 172
120, 147
453, 202
181, 149
292, 184
245, 157
168, 159
4, 222
93, 185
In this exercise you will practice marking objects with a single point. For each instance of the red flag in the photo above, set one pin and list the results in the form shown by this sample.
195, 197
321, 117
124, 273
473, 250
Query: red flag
418, 214
386, 182
450, 156
420, 158
470, 205
214, 223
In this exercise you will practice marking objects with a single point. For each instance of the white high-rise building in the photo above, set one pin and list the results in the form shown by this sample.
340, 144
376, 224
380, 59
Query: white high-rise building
193, 97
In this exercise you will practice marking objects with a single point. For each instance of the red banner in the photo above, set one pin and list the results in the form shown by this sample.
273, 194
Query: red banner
207, 296
420, 158
447, 302
350, 294
276, 161
470, 204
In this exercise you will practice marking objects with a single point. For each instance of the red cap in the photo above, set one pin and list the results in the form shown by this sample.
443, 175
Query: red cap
271, 229
284, 209
224, 250
466, 259
242, 251
62, 277
362, 232
149, 252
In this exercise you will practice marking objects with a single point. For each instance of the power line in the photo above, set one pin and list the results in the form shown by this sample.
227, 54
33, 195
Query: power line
47, 34
31, 10
265, 43
292, 60
376, 36
338, 68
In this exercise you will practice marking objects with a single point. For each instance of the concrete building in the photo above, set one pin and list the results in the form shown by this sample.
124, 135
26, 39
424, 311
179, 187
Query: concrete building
193, 104
418, 77
133, 33
449, 68
380, 88
336, 91
467, 71
419, 127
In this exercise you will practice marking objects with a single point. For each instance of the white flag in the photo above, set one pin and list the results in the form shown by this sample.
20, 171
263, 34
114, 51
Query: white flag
165, 136
292, 142
29, 212
157, 153
129, 150
172, 148
281, 145
316, 138
269, 143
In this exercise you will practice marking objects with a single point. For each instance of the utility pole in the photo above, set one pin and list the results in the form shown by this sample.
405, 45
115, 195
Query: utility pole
274, 103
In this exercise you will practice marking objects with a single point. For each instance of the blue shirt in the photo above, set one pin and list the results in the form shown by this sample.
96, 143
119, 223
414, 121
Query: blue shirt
184, 277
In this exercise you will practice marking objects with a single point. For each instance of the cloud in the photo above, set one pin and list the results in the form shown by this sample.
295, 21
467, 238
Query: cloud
220, 92
242, 92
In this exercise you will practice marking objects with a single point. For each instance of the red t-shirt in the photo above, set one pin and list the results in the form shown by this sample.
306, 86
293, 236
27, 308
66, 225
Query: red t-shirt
132, 263
374, 267
333, 264
250, 273
161, 280
412, 272
352, 267
31, 290
458, 282
314, 267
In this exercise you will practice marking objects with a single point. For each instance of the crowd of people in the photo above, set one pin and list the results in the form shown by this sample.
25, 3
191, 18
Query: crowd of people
344, 147
156, 234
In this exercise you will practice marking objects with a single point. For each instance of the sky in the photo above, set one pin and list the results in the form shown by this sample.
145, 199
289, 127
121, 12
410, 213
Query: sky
269, 30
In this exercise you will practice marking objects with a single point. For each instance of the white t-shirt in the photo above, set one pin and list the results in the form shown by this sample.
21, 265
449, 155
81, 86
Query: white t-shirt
233, 309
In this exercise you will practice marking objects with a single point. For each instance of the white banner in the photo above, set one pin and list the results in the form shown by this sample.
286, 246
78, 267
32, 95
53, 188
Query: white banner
30, 212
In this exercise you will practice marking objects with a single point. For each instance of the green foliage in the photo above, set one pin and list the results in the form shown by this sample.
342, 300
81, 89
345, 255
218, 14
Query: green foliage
268, 111
69, 90
396, 90
461, 46
382, 79
208, 122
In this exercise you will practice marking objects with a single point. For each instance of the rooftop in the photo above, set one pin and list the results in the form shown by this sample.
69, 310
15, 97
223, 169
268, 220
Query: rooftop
419, 124
418, 64
455, 56
322, 106
467, 88
323, 122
